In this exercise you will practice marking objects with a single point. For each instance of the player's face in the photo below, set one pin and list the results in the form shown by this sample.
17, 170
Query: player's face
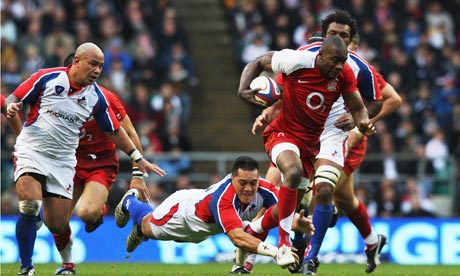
341, 30
332, 62
89, 68
246, 184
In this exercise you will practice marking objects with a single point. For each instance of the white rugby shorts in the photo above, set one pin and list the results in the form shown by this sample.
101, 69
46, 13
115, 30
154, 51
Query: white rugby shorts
175, 219
333, 146
59, 174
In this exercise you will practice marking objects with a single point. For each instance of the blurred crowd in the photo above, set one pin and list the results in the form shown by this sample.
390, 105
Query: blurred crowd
147, 64
414, 44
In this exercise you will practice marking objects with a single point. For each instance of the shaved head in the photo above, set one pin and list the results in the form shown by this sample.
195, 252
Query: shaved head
88, 48
334, 43
332, 56
87, 64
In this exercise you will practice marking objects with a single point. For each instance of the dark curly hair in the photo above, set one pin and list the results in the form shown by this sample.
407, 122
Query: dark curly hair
341, 17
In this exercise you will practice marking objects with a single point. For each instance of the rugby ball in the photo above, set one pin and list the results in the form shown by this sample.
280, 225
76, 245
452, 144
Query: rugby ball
268, 93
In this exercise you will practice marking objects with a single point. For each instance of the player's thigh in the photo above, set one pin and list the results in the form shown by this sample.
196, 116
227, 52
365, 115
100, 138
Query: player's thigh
28, 188
77, 192
56, 213
93, 197
344, 193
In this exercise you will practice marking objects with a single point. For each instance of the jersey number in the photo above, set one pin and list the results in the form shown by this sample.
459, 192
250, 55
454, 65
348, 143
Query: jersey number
89, 137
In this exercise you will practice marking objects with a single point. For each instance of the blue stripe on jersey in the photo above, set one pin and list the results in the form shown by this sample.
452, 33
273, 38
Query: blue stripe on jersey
38, 88
365, 78
101, 112
268, 196
314, 48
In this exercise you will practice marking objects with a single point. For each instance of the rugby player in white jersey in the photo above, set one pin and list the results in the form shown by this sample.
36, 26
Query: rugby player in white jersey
61, 99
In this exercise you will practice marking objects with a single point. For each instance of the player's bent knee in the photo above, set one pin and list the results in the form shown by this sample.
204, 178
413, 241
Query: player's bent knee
328, 174
30, 207
88, 215
294, 175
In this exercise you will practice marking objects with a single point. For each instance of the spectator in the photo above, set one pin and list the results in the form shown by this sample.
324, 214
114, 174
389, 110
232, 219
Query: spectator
415, 201
256, 48
302, 32
388, 204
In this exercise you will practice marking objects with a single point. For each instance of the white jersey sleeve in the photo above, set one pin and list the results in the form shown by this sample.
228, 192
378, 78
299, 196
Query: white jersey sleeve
288, 60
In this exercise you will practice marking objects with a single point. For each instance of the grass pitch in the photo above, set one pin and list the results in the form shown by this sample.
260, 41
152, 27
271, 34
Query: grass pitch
144, 269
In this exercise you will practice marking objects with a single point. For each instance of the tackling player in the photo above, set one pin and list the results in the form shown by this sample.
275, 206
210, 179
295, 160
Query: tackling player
195, 215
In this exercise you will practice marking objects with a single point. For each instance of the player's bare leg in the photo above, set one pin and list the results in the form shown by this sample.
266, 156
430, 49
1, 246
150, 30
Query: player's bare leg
92, 205
346, 200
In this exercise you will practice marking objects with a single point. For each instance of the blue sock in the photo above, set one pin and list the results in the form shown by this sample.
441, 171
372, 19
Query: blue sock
26, 234
322, 216
40, 215
137, 209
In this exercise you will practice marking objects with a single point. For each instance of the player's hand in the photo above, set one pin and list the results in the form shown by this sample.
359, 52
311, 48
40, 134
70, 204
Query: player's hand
345, 122
145, 166
139, 184
12, 109
303, 224
247, 95
260, 122
367, 128
353, 140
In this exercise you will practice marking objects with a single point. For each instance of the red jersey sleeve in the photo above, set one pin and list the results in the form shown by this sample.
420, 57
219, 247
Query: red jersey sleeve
115, 103
229, 218
380, 80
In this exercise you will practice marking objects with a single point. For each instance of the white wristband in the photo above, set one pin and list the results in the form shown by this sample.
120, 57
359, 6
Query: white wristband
359, 133
266, 249
136, 155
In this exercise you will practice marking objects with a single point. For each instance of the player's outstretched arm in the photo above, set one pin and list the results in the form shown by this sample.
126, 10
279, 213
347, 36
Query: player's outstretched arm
137, 180
250, 243
121, 139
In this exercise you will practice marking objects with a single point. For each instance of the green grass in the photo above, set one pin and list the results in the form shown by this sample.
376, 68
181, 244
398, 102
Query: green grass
121, 269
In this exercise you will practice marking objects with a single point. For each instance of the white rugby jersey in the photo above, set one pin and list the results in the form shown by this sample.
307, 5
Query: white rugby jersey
57, 113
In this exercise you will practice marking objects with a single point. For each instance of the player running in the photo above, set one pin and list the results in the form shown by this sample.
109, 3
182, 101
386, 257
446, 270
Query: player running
340, 23
61, 100
312, 82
